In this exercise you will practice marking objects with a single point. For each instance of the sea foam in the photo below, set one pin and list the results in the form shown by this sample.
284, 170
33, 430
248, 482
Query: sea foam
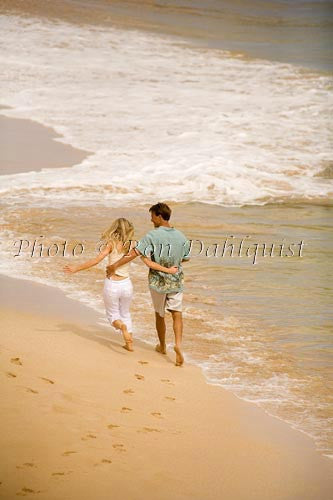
163, 119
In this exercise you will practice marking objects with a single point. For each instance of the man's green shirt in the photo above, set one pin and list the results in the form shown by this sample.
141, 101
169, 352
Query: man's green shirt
168, 247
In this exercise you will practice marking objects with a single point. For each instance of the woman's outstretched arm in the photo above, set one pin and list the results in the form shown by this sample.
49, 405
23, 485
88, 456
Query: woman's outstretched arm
89, 263
158, 267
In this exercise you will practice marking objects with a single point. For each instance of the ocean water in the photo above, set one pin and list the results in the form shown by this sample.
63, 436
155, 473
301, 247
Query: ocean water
240, 144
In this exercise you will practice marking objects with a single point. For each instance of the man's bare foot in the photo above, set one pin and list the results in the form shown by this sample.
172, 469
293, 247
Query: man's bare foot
161, 348
179, 356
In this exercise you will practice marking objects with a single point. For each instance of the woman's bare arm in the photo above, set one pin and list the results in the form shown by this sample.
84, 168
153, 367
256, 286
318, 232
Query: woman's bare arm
158, 267
89, 263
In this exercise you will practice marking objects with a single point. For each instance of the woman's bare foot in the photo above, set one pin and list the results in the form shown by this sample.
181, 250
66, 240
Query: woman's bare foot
128, 338
161, 348
179, 356
128, 346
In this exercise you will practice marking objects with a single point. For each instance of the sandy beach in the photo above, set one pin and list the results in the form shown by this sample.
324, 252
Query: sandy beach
37, 142
82, 418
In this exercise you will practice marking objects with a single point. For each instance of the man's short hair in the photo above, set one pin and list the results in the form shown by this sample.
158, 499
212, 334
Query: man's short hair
161, 209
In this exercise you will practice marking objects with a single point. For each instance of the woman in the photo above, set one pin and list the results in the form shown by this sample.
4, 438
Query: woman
118, 289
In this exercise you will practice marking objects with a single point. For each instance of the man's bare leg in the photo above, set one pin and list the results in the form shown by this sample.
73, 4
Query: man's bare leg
160, 329
126, 335
177, 318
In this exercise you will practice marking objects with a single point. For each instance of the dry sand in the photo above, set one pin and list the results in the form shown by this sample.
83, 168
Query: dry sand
82, 418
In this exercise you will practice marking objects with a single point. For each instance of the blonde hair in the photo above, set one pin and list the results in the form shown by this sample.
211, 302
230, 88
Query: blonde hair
120, 230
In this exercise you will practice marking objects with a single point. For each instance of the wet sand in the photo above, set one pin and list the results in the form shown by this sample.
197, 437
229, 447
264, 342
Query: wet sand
37, 144
82, 417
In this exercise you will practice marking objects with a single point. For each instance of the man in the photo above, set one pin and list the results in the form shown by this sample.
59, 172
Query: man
169, 247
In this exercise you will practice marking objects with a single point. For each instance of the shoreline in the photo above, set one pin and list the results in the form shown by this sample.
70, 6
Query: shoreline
41, 150
95, 381
92, 316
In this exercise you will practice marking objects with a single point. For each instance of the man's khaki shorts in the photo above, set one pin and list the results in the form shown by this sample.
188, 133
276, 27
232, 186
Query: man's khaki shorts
166, 301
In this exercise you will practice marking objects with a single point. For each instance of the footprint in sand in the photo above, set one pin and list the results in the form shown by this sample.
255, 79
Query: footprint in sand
156, 414
119, 447
67, 453
27, 464
26, 490
143, 362
128, 391
170, 398
104, 461
28, 389
49, 381
55, 474
125, 409
139, 377
11, 375
167, 381
88, 436
149, 429
113, 426
16, 361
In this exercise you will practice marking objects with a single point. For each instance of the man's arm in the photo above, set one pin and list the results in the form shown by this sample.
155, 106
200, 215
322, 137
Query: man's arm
124, 260
141, 248
186, 251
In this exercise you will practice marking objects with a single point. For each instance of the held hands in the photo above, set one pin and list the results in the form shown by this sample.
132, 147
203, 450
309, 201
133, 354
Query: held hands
109, 271
172, 270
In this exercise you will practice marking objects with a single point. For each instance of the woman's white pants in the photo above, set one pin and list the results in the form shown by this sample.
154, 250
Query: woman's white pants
117, 297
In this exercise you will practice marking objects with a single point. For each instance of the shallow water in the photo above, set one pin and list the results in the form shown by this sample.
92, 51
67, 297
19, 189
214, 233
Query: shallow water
218, 129
289, 31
